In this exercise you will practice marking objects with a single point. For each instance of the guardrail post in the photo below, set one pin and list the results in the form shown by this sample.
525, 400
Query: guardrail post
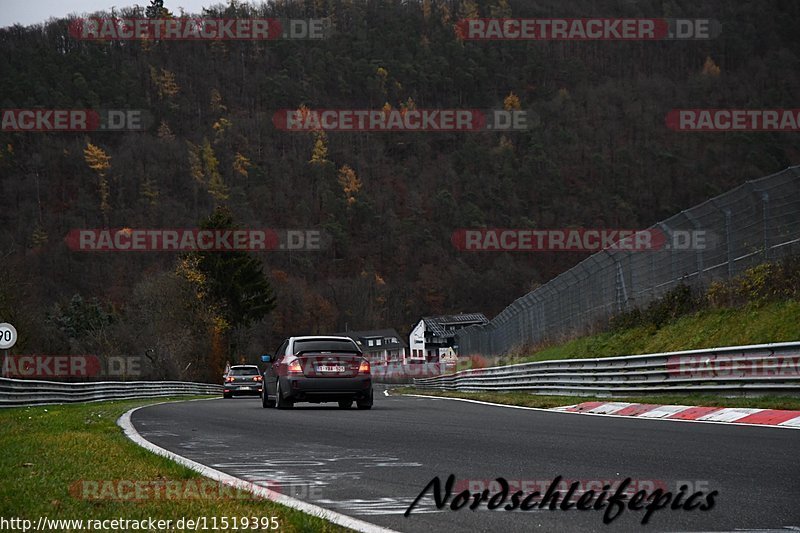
765, 218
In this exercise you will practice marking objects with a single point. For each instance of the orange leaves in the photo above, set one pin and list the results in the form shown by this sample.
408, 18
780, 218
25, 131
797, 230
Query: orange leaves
350, 183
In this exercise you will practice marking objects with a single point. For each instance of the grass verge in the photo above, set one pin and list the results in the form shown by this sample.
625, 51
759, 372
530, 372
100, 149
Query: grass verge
751, 324
47, 449
526, 399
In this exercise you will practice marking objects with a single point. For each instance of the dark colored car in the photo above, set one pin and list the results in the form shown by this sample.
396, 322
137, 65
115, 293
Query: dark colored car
317, 370
242, 379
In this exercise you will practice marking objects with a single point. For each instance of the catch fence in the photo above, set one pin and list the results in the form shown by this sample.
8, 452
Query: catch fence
756, 222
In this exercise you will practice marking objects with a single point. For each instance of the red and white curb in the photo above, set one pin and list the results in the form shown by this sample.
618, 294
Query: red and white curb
732, 415
776, 418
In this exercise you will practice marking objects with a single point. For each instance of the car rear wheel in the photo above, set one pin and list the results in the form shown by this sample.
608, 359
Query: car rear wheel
366, 403
345, 404
265, 401
280, 401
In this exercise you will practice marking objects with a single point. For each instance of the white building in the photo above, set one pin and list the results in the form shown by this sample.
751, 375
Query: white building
433, 338
380, 346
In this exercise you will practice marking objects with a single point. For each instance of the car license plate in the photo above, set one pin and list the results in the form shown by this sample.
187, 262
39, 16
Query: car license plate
245, 388
330, 368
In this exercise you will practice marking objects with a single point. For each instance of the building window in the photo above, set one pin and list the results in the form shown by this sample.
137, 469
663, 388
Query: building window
377, 342
369, 342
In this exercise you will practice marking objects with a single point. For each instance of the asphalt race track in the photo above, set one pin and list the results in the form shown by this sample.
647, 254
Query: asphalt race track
372, 464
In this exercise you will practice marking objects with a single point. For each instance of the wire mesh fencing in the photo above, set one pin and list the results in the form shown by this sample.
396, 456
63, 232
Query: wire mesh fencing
756, 222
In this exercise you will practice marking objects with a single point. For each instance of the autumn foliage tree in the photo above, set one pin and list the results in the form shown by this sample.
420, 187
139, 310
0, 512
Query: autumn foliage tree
596, 153
232, 286
100, 163
350, 183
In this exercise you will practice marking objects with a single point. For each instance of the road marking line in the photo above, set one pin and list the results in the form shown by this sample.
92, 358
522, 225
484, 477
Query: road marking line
125, 423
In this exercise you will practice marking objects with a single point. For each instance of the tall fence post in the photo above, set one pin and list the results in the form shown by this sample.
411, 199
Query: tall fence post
622, 291
729, 240
672, 258
699, 251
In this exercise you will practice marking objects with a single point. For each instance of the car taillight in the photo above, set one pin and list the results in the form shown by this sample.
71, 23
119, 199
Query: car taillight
294, 367
257, 378
364, 367
228, 379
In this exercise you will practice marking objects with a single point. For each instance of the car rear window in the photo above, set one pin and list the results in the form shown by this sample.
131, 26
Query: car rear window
249, 371
325, 345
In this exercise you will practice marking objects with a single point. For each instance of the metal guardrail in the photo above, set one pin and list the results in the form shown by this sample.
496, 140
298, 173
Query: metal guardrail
752, 370
398, 373
756, 222
20, 392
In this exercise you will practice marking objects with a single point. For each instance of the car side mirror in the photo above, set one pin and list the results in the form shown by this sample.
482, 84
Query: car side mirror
266, 358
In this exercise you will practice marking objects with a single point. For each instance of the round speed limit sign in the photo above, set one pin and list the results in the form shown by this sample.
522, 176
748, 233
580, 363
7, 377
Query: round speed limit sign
8, 336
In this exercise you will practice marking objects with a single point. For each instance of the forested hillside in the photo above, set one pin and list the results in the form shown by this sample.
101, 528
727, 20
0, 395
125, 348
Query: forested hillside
599, 155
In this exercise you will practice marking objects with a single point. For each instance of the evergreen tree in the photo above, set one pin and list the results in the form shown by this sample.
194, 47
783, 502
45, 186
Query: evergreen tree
232, 282
156, 9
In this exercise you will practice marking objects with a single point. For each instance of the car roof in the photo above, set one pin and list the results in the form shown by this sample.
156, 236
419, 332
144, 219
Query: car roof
244, 366
320, 338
